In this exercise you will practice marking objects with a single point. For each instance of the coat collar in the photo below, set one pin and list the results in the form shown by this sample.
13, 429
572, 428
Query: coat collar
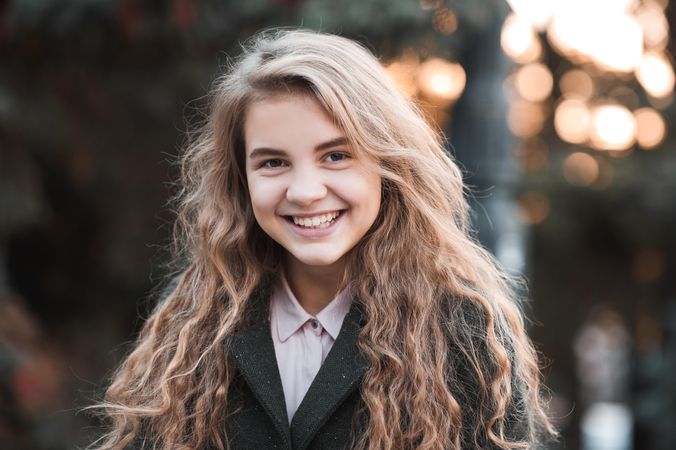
288, 315
254, 354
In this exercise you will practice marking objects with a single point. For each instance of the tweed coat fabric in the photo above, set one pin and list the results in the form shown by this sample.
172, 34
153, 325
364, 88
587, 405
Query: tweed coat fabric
324, 419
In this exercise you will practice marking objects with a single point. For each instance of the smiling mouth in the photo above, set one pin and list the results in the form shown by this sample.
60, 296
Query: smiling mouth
315, 222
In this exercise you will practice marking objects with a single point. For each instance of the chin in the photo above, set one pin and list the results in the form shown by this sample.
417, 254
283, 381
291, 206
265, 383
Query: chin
313, 260
317, 262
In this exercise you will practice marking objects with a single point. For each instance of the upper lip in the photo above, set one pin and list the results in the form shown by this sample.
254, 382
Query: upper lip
313, 214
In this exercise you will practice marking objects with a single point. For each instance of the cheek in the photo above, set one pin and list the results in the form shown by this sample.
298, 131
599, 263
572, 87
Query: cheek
264, 194
363, 190
375, 189
374, 197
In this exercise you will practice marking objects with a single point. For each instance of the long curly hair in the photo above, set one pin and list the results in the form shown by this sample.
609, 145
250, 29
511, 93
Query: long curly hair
449, 363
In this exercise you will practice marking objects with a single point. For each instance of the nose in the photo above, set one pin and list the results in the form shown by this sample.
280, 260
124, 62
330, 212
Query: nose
305, 188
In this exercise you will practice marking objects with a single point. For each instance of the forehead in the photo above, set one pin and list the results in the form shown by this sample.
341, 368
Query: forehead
286, 122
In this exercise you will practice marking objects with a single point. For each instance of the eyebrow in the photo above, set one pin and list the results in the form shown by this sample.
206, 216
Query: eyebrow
266, 151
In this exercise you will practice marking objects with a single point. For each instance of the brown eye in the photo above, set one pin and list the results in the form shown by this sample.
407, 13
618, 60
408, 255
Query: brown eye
272, 163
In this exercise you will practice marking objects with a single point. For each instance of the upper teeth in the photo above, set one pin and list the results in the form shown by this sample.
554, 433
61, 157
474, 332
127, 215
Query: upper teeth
315, 220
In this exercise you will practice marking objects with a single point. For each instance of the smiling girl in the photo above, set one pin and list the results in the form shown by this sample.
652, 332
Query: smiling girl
330, 294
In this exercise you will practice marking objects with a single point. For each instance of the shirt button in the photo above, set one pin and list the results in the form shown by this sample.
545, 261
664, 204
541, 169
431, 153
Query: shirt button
314, 323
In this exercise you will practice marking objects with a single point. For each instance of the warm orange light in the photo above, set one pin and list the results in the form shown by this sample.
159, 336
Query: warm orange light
619, 44
654, 25
441, 80
519, 41
577, 83
561, 35
611, 40
621, 48
656, 75
533, 207
580, 169
525, 119
534, 82
403, 71
445, 21
651, 128
536, 12
571, 121
613, 127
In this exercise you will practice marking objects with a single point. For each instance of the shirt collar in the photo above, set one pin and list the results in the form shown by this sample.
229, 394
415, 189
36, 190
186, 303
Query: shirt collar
289, 315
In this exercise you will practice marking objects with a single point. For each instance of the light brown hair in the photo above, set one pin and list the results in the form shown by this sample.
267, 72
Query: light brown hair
450, 364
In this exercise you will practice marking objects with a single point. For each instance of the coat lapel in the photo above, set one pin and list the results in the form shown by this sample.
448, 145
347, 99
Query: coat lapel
254, 355
337, 378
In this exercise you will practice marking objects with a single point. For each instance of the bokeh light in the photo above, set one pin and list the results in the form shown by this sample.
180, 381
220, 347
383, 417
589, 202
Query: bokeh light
656, 75
533, 82
619, 45
525, 119
441, 80
611, 44
533, 207
445, 21
571, 121
613, 127
403, 71
654, 25
519, 41
580, 169
613, 41
538, 13
578, 83
651, 128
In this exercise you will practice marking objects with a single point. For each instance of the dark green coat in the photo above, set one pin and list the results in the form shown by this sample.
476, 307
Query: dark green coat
324, 417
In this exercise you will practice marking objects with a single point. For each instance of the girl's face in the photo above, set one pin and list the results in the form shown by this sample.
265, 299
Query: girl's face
308, 191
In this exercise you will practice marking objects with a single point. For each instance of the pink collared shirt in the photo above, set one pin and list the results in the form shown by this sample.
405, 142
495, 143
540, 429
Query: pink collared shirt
301, 340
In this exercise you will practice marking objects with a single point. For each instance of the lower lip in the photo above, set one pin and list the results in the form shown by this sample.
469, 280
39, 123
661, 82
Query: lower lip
316, 232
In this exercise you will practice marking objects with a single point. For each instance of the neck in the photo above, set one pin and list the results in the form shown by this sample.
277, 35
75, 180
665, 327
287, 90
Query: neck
313, 286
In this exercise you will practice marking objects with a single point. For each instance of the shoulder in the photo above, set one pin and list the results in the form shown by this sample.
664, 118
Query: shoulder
463, 318
474, 368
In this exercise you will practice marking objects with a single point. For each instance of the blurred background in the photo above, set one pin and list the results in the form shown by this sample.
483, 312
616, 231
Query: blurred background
559, 112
